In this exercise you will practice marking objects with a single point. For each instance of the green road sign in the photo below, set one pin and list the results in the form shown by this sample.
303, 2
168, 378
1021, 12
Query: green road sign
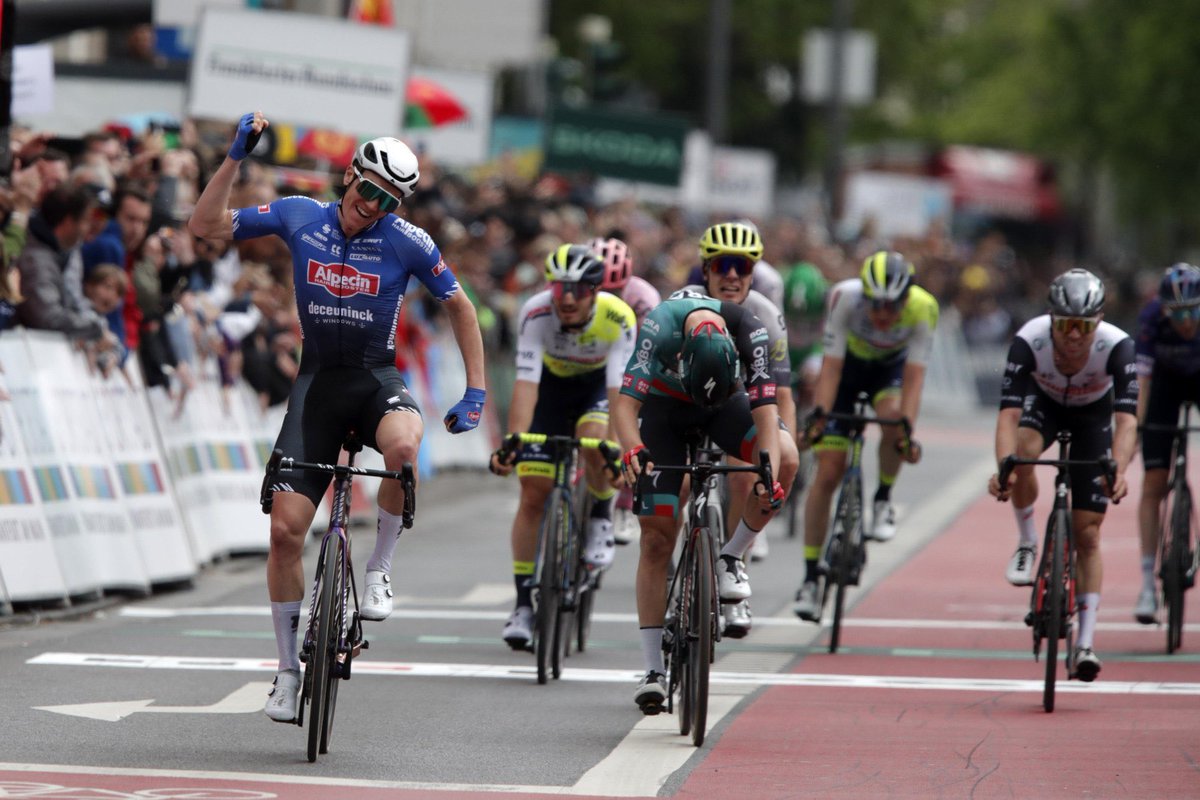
639, 147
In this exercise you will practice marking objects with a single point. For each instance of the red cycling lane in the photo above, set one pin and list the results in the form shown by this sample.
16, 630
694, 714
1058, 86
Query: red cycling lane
914, 730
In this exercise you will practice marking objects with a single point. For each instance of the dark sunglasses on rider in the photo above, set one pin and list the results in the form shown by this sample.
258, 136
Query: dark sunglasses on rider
1184, 313
722, 264
370, 191
581, 291
1084, 325
886, 305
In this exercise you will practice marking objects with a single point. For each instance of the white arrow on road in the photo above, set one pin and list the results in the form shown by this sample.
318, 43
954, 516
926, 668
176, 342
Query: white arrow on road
245, 700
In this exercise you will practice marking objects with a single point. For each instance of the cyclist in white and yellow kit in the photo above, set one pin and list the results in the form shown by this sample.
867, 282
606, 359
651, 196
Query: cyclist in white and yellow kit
572, 346
878, 336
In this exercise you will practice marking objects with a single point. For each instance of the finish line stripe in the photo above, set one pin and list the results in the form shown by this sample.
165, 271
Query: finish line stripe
506, 672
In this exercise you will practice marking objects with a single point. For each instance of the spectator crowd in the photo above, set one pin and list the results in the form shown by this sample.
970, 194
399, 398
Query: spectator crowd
95, 246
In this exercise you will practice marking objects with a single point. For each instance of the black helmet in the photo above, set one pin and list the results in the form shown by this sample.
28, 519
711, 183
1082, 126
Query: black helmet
708, 365
1076, 293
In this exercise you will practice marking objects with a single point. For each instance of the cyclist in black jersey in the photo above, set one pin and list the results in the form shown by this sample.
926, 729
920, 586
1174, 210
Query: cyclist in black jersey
1068, 370
352, 261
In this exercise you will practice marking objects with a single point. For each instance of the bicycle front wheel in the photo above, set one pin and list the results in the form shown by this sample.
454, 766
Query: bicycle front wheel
701, 620
1054, 599
549, 575
1176, 564
569, 549
322, 660
847, 529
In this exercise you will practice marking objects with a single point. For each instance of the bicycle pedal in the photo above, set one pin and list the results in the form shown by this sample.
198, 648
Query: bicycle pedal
1029, 619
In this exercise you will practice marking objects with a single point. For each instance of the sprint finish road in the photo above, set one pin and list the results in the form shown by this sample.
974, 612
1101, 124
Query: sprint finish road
934, 692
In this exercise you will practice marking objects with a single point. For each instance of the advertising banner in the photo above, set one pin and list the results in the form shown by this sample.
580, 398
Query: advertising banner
308, 70
28, 564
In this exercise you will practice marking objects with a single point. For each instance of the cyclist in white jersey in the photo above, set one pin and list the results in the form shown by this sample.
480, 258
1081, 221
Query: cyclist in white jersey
572, 347
1068, 369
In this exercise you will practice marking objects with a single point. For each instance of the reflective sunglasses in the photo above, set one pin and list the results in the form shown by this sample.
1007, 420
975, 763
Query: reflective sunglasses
886, 305
581, 291
1084, 325
1184, 313
369, 190
722, 264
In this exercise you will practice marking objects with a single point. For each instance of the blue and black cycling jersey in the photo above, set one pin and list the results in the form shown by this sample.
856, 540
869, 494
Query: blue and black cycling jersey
1160, 347
348, 292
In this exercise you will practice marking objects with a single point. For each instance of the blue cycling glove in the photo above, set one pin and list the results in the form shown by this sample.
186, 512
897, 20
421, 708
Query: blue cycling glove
465, 414
245, 139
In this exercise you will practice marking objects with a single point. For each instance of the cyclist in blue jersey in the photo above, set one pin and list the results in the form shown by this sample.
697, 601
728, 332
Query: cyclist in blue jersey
352, 261
1168, 365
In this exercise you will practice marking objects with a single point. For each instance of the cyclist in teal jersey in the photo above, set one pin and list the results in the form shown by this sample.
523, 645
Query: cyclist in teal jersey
685, 374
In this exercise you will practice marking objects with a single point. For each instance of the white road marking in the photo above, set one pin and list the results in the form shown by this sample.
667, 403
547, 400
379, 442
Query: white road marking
243, 701
508, 672
782, 620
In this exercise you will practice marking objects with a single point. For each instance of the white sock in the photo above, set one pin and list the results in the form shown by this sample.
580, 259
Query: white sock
1148, 572
1087, 604
740, 542
652, 651
286, 618
386, 534
1026, 533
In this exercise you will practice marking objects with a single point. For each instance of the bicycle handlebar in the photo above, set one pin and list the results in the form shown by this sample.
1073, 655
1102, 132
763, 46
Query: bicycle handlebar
701, 471
1009, 463
281, 463
610, 450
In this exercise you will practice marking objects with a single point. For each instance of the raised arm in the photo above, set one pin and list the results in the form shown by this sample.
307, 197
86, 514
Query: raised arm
211, 218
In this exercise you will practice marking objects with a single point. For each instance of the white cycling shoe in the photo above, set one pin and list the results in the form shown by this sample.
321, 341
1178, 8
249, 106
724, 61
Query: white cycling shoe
601, 546
377, 596
284, 697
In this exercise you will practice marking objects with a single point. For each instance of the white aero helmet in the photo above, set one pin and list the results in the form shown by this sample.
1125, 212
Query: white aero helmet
391, 159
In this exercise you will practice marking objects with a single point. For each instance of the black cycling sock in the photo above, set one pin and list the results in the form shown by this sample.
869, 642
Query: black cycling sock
524, 590
602, 509
811, 573
883, 494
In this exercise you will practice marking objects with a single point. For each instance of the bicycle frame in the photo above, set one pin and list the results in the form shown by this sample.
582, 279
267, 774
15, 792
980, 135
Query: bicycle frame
1052, 601
845, 551
1177, 553
693, 596
325, 665
560, 578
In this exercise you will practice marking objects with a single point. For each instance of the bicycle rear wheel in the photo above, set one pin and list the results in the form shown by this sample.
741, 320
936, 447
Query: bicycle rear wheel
1054, 599
586, 587
847, 526
683, 649
549, 578
701, 621
1176, 564
568, 590
321, 661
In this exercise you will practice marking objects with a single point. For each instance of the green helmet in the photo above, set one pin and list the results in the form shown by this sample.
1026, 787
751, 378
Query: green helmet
709, 367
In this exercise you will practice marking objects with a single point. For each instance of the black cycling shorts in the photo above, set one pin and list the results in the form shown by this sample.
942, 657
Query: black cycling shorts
326, 405
664, 422
561, 405
875, 378
1091, 428
1168, 390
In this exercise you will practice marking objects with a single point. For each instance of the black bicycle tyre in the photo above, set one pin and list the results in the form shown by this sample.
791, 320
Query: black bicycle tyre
546, 613
1054, 602
320, 659
336, 630
585, 603
568, 555
847, 519
702, 623
684, 646
1176, 566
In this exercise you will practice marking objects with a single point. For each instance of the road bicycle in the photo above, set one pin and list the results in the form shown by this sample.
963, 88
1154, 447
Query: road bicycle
564, 583
334, 635
845, 552
1052, 603
1177, 557
693, 622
